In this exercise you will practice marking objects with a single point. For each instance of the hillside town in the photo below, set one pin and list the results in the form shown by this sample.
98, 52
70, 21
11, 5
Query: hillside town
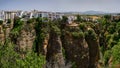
25, 15
5, 15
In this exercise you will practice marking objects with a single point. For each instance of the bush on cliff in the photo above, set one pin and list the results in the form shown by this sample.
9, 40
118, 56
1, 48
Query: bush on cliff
78, 35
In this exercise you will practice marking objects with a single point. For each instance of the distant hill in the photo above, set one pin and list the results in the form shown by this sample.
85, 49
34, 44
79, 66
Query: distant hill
93, 12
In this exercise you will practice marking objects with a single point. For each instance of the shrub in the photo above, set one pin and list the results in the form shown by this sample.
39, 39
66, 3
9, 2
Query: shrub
116, 53
111, 29
7, 55
78, 35
55, 29
107, 56
79, 19
9, 21
90, 34
64, 19
9, 58
31, 61
1, 22
116, 37
18, 25
82, 26
30, 21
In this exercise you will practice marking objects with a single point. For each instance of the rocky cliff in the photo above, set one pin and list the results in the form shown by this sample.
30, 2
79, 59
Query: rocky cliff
63, 48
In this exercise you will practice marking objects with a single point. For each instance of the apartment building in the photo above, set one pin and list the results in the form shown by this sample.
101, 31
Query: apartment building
2, 15
43, 14
9, 15
25, 15
71, 18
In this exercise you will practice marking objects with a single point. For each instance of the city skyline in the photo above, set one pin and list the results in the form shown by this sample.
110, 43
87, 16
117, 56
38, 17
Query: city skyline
61, 5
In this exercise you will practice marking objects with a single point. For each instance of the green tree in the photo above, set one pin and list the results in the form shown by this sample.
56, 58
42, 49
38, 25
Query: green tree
31, 60
116, 53
8, 55
31, 20
64, 19
41, 29
108, 17
1, 22
9, 58
9, 21
78, 18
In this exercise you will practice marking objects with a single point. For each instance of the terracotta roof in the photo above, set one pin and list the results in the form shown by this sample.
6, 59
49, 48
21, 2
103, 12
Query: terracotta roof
73, 24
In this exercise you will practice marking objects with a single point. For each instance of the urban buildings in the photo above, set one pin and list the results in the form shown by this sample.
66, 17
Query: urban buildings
5, 15
1, 15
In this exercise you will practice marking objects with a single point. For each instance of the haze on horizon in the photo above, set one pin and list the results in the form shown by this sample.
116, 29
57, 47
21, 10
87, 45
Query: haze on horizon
61, 5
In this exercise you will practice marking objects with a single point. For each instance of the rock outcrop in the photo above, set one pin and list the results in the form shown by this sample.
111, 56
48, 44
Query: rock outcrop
2, 35
80, 50
76, 51
54, 55
26, 38
94, 54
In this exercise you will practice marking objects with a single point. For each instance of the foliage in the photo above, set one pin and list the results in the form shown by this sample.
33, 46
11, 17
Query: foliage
9, 21
74, 65
107, 56
111, 29
82, 26
78, 35
7, 55
64, 19
108, 17
18, 25
11, 59
116, 53
78, 18
30, 20
90, 34
41, 29
1, 22
56, 30
31, 61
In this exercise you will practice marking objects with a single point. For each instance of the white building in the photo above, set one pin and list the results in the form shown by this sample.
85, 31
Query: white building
43, 14
9, 15
19, 14
35, 14
71, 18
1, 15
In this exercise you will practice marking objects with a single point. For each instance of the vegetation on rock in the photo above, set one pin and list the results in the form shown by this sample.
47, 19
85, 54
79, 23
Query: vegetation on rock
76, 41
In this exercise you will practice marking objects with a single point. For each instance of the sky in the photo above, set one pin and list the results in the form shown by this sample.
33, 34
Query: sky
62, 5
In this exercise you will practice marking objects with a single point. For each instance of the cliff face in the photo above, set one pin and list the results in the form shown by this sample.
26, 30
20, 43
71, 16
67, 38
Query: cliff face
63, 48
25, 39
54, 55
76, 49
2, 36
93, 45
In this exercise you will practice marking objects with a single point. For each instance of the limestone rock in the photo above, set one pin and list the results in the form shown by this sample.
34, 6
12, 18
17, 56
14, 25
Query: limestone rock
76, 51
25, 40
2, 36
54, 55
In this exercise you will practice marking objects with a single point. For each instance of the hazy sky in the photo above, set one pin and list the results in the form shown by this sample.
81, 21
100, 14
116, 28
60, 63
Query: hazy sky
61, 5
